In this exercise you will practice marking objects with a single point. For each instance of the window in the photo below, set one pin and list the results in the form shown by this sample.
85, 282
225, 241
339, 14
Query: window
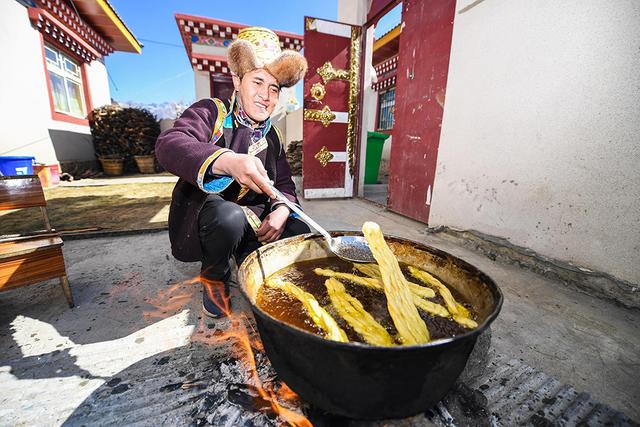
65, 78
386, 102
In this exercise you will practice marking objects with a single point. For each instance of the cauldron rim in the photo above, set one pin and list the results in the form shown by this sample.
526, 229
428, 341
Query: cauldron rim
369, 347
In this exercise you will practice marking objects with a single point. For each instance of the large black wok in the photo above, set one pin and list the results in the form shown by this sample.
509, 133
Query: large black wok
358, 380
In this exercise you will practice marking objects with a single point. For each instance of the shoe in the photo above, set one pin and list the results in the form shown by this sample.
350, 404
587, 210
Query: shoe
220, 291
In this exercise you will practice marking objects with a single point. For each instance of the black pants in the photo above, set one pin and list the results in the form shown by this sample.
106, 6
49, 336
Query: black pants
225, 233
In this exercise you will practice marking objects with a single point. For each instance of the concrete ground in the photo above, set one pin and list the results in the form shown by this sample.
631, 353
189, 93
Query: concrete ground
52, 358
376, 193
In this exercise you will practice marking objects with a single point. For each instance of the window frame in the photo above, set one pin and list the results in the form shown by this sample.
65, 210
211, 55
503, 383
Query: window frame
379, 117
80, 79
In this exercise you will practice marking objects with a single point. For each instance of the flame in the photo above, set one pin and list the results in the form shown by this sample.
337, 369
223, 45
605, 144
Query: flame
174, 298
178, 296
247, 342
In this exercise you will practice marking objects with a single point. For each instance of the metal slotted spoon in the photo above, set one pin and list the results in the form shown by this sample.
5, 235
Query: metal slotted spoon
349, 248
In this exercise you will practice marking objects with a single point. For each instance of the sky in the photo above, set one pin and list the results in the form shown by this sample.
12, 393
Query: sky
388, 21
162, 73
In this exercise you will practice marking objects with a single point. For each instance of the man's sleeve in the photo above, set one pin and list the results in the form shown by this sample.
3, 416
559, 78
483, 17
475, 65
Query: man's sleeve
185, 150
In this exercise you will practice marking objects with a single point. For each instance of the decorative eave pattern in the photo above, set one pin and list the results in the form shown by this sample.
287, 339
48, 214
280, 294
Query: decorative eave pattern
67, 17
386, 72
194, 27
384, 84
49, 26
213, 64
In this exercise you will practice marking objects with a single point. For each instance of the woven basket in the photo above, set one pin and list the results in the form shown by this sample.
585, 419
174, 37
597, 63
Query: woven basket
112, 166
146, 164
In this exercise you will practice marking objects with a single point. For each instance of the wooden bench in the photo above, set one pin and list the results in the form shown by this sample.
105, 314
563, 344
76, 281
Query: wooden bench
35, 257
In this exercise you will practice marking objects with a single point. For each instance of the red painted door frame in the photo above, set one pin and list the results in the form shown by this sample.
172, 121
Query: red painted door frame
378, 9
423, 68
326, 153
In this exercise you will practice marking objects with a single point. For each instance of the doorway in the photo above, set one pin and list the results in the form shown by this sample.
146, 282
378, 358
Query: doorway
384, 60
411, 62
221, 86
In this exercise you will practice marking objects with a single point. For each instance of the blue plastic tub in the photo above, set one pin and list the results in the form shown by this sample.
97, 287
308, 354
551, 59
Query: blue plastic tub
16, 165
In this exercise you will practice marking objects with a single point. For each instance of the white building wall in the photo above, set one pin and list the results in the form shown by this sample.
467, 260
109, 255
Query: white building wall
353, 12
203, 84
293, 126
24, 100
98, 83
369, 105
73, 142
541, 127
385, 161
27, 127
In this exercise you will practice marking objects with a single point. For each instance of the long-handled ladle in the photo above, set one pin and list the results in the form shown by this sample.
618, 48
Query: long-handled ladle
349, 248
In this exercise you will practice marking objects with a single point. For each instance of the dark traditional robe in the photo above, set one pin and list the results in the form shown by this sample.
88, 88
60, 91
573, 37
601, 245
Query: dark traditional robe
187, 151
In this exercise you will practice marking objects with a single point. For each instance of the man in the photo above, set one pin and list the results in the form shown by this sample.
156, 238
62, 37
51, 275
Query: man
226, 155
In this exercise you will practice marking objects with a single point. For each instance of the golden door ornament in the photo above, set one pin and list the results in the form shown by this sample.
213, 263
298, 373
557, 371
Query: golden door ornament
324, 156
324, 116
328, 73
354, 71
310, 24
317, 91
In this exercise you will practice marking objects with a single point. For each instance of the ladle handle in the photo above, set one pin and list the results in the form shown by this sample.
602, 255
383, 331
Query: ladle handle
303, 215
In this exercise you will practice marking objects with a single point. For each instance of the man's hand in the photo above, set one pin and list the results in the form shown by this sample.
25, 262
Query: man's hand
273, 225
247, 170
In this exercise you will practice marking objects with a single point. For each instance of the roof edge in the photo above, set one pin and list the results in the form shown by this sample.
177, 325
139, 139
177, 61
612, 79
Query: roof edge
120, 25
233, 24
387, 37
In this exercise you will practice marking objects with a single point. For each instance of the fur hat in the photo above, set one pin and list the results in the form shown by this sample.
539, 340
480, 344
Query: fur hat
258, 47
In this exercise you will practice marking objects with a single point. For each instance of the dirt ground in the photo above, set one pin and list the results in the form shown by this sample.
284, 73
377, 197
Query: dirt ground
117, 207
136, 337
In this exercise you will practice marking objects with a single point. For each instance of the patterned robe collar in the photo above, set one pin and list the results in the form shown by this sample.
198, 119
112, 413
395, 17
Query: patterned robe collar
241, 118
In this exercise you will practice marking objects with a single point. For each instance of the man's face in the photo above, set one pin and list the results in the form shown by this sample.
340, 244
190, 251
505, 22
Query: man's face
258, 92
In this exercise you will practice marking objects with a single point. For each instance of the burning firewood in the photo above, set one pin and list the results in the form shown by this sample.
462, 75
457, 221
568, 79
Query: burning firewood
356, 316
318, 314
459, 312
405, 316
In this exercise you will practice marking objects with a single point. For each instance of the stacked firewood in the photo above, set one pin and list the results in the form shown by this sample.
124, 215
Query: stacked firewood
106, 129
294, 157
123, 132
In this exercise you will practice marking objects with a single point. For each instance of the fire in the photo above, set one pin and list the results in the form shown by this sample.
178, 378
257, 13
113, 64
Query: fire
174, 298
180, 295
238, 332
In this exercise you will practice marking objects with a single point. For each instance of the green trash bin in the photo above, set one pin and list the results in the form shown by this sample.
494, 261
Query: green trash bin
375, 143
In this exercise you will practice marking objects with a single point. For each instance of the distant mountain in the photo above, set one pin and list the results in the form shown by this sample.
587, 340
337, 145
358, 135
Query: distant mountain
164, 110
172, 110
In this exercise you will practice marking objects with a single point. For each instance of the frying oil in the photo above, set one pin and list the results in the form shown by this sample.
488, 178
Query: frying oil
288, 309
